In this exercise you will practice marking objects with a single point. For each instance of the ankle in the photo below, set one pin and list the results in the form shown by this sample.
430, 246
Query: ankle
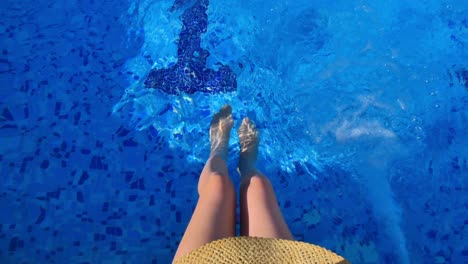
220, 154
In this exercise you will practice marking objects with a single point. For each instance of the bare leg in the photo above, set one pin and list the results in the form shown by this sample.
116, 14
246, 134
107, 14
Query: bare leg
260, 213
214, 216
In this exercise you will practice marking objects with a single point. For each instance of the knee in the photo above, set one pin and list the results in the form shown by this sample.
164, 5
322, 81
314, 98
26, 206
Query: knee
258, 184
218, 188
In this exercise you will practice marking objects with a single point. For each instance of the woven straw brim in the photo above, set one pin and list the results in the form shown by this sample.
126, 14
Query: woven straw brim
260, 250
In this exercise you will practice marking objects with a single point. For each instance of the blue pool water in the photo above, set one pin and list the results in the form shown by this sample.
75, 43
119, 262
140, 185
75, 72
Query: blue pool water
105, 105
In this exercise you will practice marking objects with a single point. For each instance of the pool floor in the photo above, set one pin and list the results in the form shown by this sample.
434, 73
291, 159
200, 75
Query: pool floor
363, 134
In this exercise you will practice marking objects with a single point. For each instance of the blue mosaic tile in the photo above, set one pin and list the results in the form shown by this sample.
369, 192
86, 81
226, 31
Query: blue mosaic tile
79, 186
191, 63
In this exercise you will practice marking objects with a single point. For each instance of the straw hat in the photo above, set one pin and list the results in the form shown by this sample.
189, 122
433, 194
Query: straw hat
260, 250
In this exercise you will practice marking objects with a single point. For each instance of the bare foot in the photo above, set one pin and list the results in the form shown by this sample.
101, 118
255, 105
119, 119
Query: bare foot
220, 131
248, 138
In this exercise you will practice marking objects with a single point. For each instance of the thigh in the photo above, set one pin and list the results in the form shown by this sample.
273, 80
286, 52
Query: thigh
260, 213
213, 217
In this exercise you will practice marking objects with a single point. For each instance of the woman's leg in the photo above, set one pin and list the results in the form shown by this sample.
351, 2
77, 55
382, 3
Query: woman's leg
260, 213
214, 216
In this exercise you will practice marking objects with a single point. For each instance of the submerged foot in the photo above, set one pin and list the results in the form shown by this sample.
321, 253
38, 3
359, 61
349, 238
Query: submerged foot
220, 131
248, 139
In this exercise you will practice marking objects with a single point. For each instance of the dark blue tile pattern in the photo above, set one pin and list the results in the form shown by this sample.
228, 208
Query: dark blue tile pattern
190, 75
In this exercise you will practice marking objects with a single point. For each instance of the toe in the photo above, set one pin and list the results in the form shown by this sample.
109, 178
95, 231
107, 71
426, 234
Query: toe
247, 128
226, 110
215, 119
244, 125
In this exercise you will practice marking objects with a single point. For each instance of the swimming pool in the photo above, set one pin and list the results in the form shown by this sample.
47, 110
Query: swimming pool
362, 107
